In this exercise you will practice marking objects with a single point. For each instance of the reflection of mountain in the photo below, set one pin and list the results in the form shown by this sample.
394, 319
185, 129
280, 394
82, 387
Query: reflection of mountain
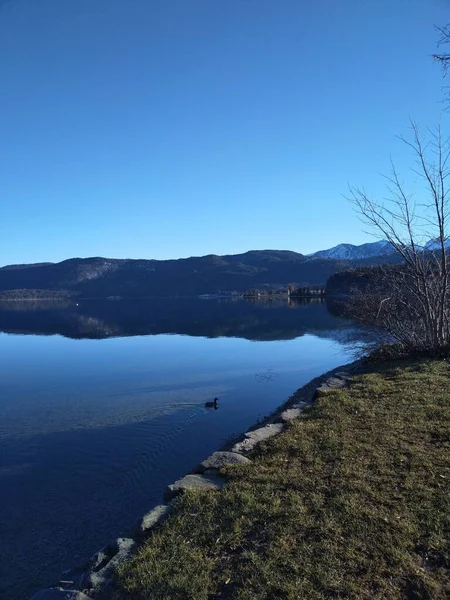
211, 318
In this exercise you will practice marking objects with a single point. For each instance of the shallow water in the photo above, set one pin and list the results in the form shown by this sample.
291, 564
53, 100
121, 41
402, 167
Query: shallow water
102, 405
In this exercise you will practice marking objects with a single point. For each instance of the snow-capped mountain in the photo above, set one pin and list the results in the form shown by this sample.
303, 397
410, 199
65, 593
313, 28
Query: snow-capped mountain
352, 252
436, 244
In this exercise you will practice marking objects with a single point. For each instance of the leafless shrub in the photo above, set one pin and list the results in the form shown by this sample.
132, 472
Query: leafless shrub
410, 305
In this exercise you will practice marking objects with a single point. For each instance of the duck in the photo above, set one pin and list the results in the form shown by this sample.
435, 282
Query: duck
212, 404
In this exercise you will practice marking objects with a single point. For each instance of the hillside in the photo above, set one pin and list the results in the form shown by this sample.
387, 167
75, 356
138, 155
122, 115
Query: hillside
352, 252
345, 282
102, 277
358, 279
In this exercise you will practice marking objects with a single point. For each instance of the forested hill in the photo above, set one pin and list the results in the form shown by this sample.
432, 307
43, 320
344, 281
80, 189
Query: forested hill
102, 277
358, 280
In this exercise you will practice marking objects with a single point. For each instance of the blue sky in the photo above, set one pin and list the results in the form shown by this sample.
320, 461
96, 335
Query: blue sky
171, 128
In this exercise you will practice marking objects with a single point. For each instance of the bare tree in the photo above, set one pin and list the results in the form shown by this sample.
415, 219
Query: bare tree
411, 303
443, 58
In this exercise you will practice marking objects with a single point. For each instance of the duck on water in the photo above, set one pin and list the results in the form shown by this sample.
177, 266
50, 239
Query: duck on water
212, 404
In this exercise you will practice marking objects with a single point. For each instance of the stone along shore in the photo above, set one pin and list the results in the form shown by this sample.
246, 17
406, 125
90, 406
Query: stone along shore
95, 579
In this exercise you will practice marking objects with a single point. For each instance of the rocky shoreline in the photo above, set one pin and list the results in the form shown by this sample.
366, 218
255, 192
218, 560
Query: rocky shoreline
95, 579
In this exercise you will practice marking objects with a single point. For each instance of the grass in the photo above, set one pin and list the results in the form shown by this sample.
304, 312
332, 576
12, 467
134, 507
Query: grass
353, 501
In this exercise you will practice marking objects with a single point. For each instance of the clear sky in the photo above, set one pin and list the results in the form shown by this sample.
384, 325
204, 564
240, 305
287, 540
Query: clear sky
171, 128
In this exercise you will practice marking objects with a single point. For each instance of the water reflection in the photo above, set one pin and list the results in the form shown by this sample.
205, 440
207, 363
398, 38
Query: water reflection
262, 320
104, 404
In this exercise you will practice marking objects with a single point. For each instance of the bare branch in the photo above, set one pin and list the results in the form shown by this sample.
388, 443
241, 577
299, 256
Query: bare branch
410, 304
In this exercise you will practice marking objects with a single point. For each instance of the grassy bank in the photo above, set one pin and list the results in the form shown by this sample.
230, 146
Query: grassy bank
353, 501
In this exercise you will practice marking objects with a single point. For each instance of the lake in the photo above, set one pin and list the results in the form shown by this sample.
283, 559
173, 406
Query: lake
102, 406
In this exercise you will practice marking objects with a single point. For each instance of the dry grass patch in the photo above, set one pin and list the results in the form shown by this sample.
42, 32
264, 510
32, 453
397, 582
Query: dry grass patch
353, 501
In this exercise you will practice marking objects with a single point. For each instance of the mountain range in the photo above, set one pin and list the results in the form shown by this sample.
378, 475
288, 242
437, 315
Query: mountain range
351, 252
104, 277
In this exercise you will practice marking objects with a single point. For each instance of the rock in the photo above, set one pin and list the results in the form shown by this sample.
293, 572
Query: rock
290, 414
264, 433
207, 481
221, 459
301, 405
343, 375
76, 575
244, 446
324, 389
335, 382
59, 594
101, 558
150, 520
256, 436
331, 384
100, 576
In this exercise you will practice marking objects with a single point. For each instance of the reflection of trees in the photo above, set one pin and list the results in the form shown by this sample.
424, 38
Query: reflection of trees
210, 318
286, 301
34, 305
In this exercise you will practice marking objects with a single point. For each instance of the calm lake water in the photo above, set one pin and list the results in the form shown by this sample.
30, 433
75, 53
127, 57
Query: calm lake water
102, 406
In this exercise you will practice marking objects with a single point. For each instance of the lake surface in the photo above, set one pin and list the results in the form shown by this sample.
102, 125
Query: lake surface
102, 406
